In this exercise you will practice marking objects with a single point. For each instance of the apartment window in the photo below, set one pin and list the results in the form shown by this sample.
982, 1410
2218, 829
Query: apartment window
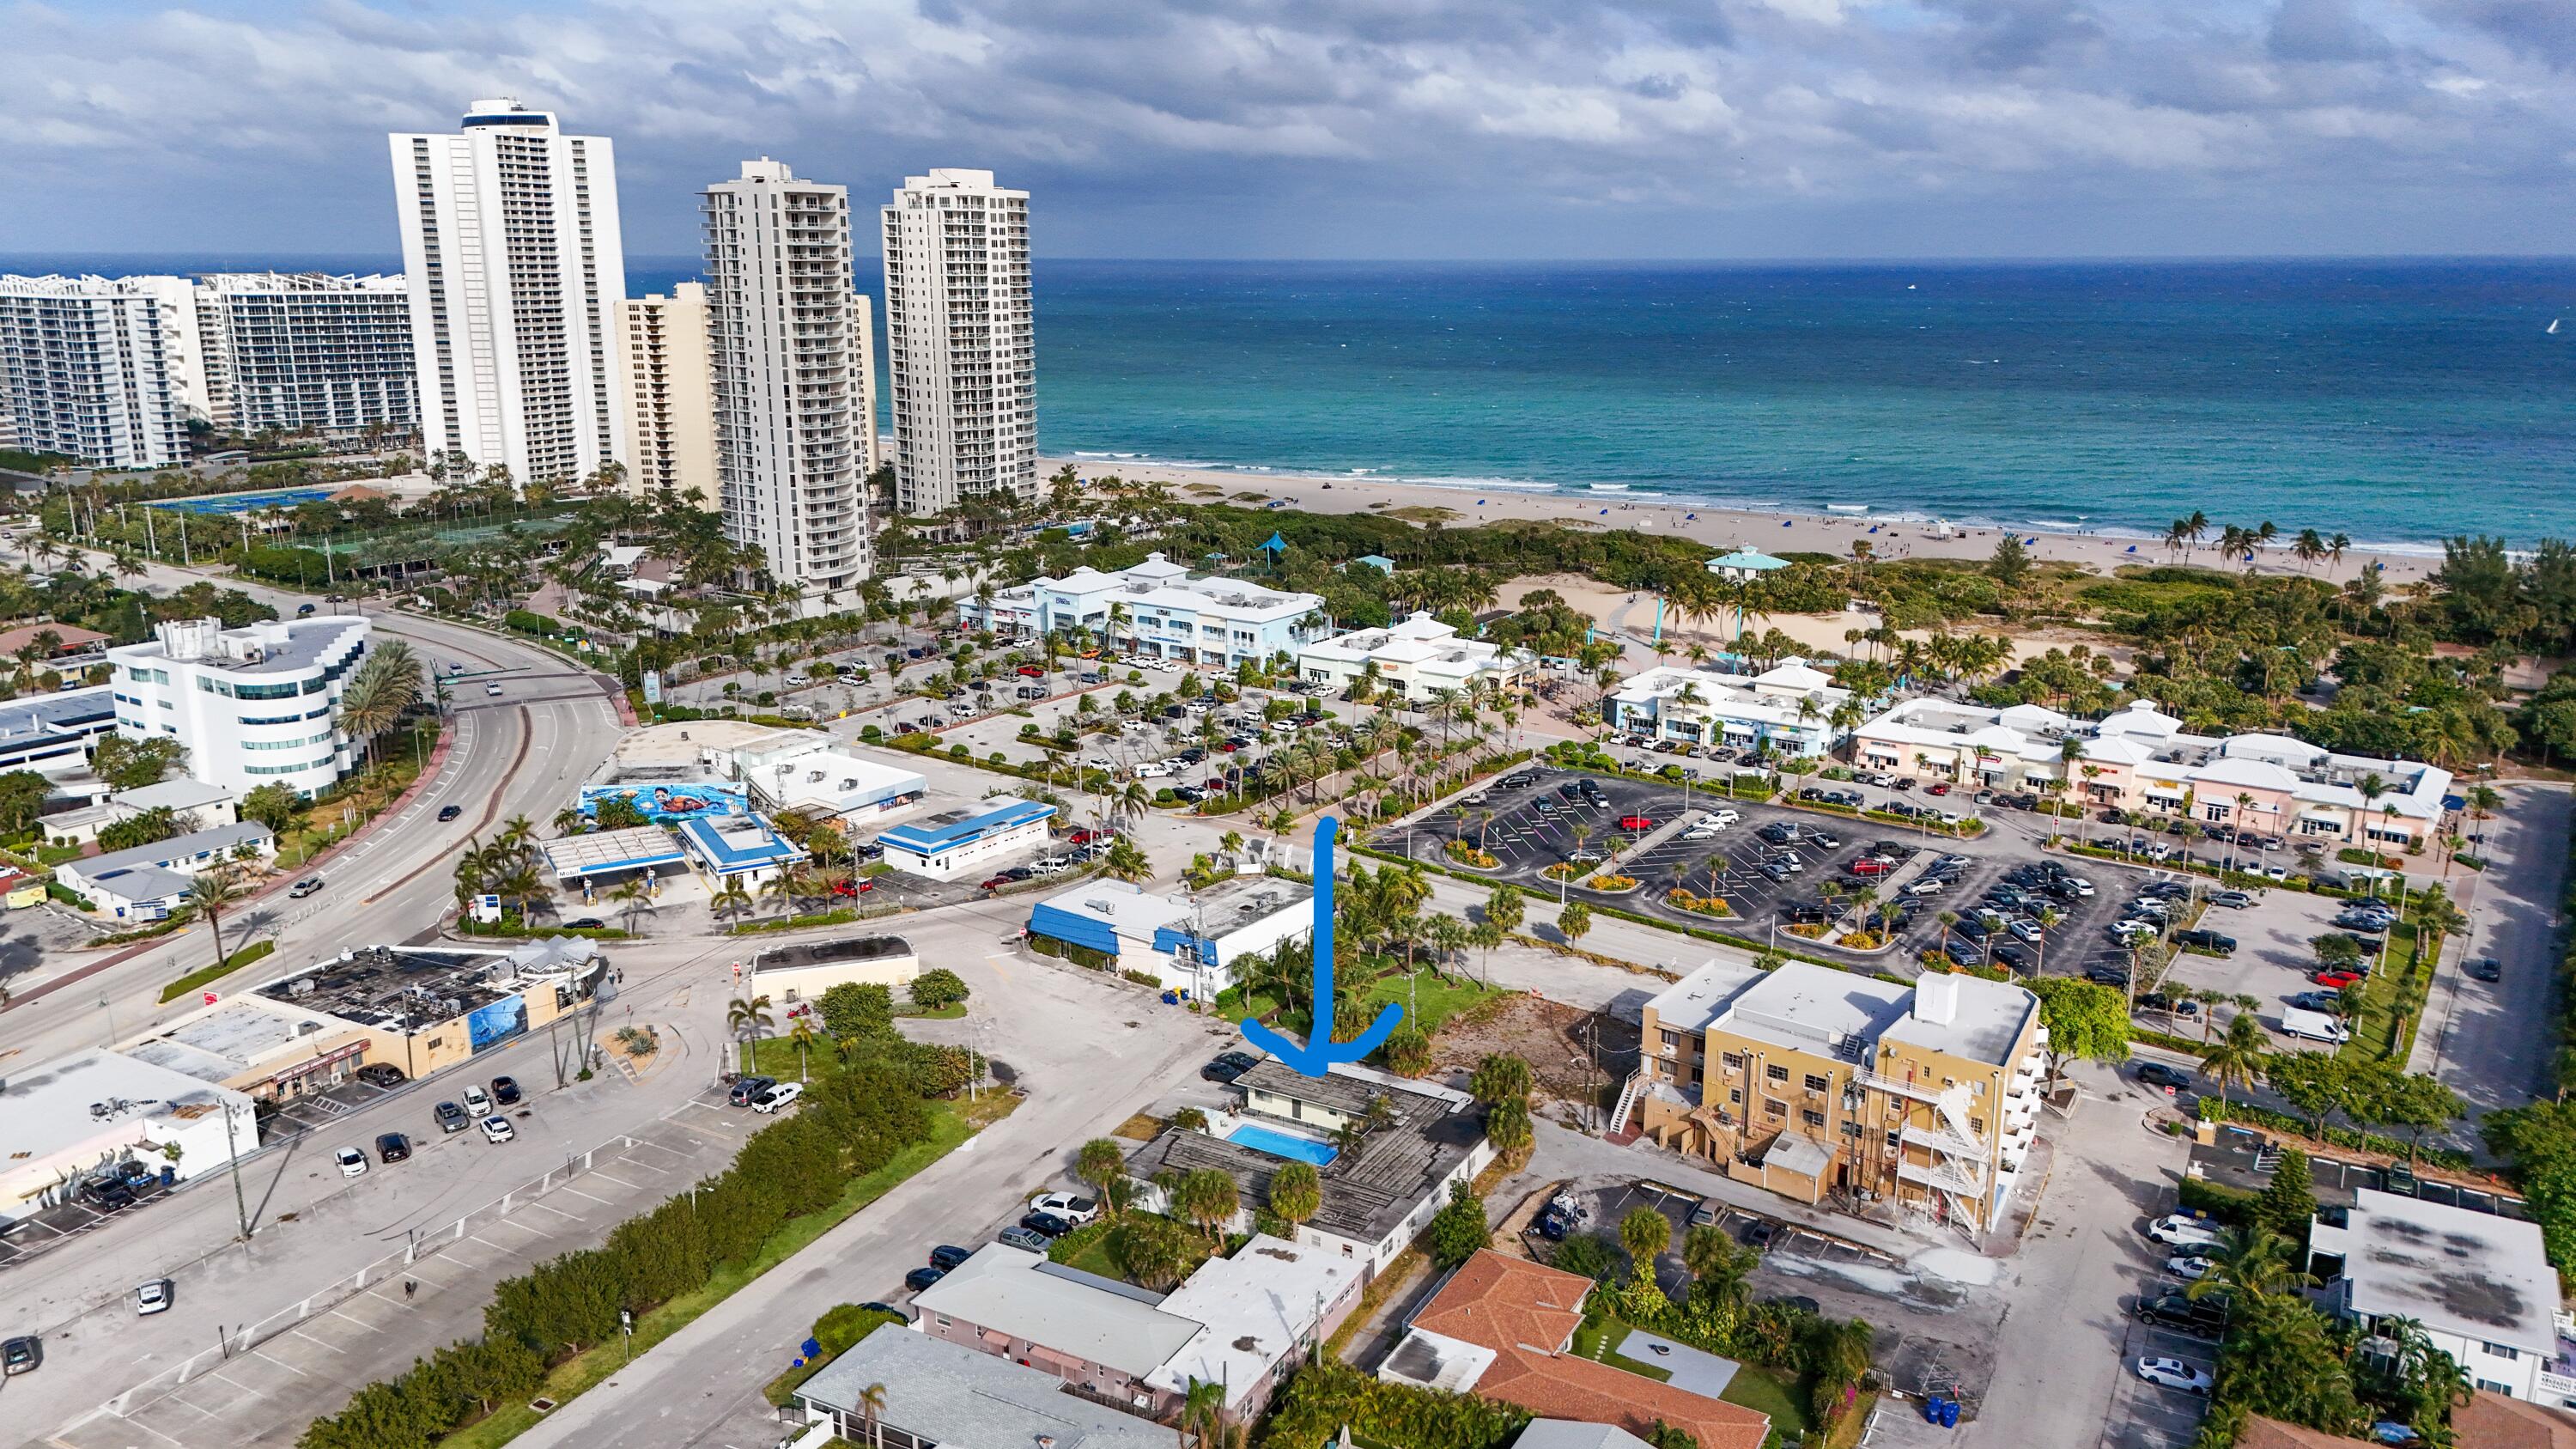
1672, 1041
1816, 1083
1735, 1097
1776, 1072
2503, 1351
1978, 1123
1851, 1129
1774, 1107
1894, 1136
1812, 1117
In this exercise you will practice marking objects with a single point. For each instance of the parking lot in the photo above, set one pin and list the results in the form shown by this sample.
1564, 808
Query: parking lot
284, 1360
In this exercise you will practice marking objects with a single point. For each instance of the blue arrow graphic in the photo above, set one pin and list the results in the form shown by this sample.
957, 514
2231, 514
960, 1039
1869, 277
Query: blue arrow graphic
1320, 1051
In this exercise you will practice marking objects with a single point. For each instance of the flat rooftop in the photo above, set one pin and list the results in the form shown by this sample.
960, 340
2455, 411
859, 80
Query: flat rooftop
1010, 1291
268, 647
599, 852
1985, 1018
2469, 1273
1816, 1009
45, 1110
946, 1393
831, 953
738, 843
1255, 1307
67, 711
951, 828
227, 1039
409, 989
1691, 1003
1244, 900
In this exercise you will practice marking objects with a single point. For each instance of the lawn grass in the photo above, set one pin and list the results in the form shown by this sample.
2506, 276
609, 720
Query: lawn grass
1429, 1000
1757, 1388
2374, 1034
906, 1011
951, 1123
230, 964
1100, 1255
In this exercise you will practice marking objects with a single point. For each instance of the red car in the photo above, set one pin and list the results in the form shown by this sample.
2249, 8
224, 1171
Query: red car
996, 883
852, 887
1032, 671
1636, 822
1868, 865
2334, 980
1938, 787
1084, 835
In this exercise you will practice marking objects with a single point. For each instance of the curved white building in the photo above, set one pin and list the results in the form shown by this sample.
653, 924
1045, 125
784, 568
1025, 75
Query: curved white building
255, 706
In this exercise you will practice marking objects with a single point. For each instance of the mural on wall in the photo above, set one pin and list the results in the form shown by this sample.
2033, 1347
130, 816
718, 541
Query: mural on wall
673, 803
489, 1026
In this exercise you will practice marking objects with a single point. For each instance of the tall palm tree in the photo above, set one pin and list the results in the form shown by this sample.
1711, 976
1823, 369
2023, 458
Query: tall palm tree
2238, 1056
801, 1031
748, 1018
211, 894
871, 1411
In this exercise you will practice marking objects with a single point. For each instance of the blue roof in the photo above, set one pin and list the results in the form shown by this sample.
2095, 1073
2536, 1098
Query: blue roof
947, 832
1747, 558
737, 843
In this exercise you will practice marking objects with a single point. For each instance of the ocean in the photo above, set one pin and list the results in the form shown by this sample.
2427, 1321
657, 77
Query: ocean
2398, 402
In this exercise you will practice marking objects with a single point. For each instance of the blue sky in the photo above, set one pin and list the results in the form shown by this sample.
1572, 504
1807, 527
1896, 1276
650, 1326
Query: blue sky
1355, 128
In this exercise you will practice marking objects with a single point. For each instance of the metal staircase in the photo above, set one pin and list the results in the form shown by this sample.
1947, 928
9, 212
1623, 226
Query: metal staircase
1627, 1103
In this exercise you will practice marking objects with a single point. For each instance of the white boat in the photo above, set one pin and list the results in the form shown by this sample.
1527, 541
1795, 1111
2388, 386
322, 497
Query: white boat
2553, 326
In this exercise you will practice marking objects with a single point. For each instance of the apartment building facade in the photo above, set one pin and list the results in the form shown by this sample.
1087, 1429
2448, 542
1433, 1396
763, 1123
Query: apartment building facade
1817, 1083
961, 341
1790, 708
1418, 659
307, 353
253, 706
787, 342
2140, 758
670, 395
514, 265
1157, 610
86, 368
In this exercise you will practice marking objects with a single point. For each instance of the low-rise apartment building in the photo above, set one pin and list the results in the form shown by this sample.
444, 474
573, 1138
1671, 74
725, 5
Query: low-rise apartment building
1791, 708
2140, 758
1157, 610
2478, 1285
1417, 660
1813, 1082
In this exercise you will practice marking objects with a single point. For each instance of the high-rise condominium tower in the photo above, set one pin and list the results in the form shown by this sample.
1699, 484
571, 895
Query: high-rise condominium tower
788, 342
961, 340
515, 265
307, 353
87, 368
670, 395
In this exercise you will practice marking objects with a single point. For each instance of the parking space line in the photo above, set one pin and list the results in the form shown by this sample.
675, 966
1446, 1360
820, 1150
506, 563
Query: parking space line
577, 1192
558, 1212
362, 1323
220, 1375
157, 1434
612, 1177
281, 1363
487, 1242
309, 1338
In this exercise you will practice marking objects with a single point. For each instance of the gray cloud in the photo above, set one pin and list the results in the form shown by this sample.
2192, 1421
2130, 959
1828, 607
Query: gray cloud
1357, 127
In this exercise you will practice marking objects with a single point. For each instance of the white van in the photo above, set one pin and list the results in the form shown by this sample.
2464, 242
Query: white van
2300, 1022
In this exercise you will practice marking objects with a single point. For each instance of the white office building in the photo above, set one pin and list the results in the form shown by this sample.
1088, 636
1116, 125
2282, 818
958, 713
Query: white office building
2479, 1287
1788, 708
1157, 610
961, 341
670, 395
306, 353
1417, 660
86, 368
77, 1118
515, 266
254, 706
788, 339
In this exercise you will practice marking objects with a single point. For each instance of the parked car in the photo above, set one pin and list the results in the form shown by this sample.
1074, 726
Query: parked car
2157, 1074
1932, 887
21, 1355
377, 1074
152, 1296
1019, 1237
2335, 980
1072, 1207
393, 1147
2207, 941
2190, 1267
497, 1130
2204, 1317
2232, 900
505, 1090
2113, 976
746, 1088
351, 1161
476, 1101
2173, 1373
2183, 1230
920, 1278
1047, 1223
1636, 822
947, 1256
778, 1099
451, 1118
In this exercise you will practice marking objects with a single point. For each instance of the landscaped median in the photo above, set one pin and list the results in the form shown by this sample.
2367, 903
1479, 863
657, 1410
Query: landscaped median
255, 951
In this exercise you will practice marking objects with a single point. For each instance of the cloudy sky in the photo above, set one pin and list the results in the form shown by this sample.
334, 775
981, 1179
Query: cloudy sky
1353, 128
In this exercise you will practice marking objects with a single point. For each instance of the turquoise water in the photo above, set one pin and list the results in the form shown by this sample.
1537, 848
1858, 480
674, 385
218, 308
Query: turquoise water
232, 503
1281, 1144
2396, 401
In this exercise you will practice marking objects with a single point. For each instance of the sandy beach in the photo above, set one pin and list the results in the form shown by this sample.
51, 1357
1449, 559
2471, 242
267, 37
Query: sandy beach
1770, 532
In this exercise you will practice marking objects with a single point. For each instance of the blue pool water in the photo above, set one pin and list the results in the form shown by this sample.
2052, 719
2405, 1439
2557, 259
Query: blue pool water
1280, 1144
232, 503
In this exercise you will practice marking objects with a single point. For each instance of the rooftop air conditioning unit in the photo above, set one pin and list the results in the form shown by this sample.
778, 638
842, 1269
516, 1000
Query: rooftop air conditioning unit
303, 987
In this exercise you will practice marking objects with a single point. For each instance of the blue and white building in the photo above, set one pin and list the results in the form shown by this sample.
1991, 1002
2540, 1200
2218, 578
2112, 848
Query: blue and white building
1193, 941
738, 847
1788, 708
969, 840
1157, 610
255, 706
53, 734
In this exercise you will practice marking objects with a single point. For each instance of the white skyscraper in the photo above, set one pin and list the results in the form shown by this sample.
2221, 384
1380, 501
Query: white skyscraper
961, 340
306, 353
87, 368
516, 267
787, 342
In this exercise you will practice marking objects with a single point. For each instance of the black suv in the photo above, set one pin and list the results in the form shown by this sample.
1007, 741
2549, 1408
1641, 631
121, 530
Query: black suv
1228, 1066
946, 1257
747, 1089
2206, 1318
2207, 941
393, 1147
1801, 914
2157, 1074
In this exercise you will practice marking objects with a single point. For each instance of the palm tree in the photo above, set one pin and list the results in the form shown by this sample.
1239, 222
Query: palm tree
2256, 1264
378, 693
2238, 1056
211, 893
801, 1031
731, 899
747, 1017
871, 1407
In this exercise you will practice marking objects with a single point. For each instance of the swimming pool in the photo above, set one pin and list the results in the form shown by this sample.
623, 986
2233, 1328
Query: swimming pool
232, 503
1281, 1144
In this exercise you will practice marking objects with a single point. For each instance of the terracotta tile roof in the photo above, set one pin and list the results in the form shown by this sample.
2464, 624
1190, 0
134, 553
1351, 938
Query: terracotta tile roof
2492, 1421
69, 636
1526, 1313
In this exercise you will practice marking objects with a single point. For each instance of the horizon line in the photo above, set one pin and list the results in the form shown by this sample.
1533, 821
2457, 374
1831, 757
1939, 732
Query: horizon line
1999, 259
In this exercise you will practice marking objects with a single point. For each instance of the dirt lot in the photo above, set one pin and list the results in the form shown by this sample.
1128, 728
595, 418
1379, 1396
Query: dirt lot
1550, 1036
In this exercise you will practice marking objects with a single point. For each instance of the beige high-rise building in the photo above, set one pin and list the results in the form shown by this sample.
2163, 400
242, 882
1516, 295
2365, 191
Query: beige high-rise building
670, 395
515, 266
961, 341
787, 340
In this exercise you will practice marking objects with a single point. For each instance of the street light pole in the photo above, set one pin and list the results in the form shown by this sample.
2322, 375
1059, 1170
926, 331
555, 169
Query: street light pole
232, 1151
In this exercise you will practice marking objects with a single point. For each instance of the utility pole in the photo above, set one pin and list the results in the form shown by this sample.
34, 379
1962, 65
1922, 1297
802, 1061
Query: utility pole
232, 1150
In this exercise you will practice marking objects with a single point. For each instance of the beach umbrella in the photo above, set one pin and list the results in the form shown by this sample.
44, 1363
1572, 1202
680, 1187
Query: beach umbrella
2133, 548
1784, 523
1480, 503
2034, 538
1605, 512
